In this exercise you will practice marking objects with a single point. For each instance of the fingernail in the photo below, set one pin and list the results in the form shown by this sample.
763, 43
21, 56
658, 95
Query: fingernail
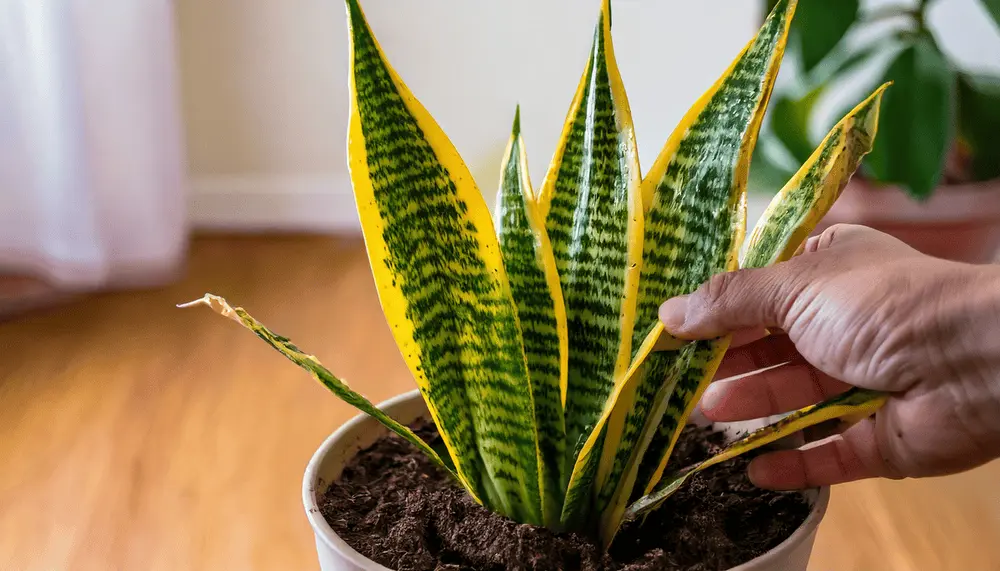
757, 472
699, 419
673, 312
711, 398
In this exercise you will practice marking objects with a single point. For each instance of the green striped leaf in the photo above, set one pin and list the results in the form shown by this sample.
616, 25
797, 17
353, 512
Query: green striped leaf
442, 283
704, 361
695, 220
786, 224
592, 203
311, 364
795, 211
854, 404
531, 268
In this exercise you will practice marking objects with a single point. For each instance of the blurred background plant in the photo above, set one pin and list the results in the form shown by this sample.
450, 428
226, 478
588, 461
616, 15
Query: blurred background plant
938, 130
940, 121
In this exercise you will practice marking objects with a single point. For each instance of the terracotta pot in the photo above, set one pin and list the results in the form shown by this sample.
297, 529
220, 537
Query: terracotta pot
361, 432
960, 222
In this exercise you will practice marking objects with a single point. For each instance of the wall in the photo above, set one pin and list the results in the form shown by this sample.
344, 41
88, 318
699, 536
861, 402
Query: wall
266, 101
264, 85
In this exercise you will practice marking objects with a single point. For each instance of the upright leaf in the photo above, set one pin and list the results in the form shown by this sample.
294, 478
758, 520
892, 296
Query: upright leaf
918, 116
795, 212
695, 219
788, 121
531, 267
336, 386
786, 224
594, 219
441, 281
857, 403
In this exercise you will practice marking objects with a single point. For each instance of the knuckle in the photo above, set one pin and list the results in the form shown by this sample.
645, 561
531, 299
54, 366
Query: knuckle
834, 234
719, 288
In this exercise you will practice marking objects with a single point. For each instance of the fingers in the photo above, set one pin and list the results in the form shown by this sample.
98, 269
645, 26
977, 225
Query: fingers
854, 455
755, 355
763, 297
746, 299
769, 392
748, 336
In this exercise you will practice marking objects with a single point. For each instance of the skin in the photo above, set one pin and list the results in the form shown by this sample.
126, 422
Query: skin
857, 307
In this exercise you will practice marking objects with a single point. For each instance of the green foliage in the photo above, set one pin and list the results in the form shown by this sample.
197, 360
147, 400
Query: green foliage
917, 121
531, 335
820, 26
979, 129
790, 122
993, 7
935, 110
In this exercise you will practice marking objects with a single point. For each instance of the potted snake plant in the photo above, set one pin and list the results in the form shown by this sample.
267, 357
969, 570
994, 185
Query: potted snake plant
933, 179
549, 429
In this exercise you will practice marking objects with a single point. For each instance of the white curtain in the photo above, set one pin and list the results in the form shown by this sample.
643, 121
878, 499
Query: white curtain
92, 175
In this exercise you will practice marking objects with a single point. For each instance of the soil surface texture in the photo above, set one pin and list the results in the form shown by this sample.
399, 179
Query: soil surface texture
394, 506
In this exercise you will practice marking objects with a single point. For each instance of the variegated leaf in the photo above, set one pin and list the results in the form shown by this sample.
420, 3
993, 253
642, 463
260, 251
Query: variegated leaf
311, 364
855, 404
695, 220
591, 201
788, 221
442, 283
795, 211
593, 207
531, 268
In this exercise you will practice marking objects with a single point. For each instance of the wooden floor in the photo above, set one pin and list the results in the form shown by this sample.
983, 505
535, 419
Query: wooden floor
134, 435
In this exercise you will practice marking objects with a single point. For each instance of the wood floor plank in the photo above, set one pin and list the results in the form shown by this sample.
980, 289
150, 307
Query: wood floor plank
135, 435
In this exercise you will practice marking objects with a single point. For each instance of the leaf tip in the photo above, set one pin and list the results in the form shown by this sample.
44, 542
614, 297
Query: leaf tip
215, 303
203, 300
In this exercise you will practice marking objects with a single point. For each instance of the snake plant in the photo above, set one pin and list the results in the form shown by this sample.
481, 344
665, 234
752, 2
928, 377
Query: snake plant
533, 336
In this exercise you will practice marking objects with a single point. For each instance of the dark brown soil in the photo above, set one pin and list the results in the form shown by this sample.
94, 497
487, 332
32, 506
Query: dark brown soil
393, 506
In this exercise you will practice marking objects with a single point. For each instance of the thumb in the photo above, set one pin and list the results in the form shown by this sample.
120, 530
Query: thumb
730, 302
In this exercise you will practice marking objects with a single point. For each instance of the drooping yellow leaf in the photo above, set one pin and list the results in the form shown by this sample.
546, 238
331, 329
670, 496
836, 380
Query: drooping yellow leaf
855, 403
312, 365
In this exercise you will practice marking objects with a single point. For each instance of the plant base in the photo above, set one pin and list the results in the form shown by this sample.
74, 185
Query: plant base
393, 505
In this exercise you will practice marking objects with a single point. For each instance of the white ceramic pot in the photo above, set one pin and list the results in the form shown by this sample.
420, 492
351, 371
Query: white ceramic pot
361, 432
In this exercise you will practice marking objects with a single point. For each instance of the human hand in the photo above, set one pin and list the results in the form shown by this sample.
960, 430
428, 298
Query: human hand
859, 308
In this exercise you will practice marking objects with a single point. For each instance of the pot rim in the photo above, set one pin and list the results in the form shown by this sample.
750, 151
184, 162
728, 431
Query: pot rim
328, 536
